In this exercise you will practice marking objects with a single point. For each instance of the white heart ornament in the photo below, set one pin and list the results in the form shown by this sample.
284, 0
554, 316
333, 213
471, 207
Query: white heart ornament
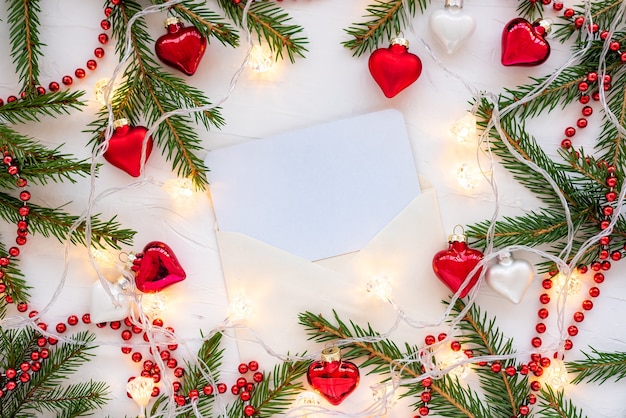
452, 27
102, 308
509, 277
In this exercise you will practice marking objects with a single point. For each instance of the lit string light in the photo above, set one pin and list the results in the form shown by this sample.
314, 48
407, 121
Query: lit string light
464, 130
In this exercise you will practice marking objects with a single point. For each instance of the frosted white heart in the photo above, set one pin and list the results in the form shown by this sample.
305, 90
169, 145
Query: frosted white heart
452, 27
102, 307
509, 277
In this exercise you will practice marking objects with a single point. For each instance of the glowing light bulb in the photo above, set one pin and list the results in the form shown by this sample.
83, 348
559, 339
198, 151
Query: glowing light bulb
99, 89
261, 59
380, 287
307, 398
556, 375
140, 389
574, 284
467, 176
448, 358
179, 188
240, 308
154, 304
103, 258
464, 130
386, 394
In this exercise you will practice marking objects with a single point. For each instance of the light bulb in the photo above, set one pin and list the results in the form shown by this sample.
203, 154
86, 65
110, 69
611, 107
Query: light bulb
556, 375
99, 90
448, 358
153, 304
467, 176
464, 130
103, 258
380, 287
179, 188
140, 389
307, 398
261, 59
240, 308
573, 285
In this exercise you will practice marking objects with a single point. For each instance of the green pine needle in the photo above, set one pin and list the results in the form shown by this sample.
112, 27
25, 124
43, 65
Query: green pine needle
36, 106
26, 46
599, 367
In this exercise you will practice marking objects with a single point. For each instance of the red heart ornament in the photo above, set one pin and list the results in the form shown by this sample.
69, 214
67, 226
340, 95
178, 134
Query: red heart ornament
333, 378
453, 265
394, 68
523, 44
124, 147
181, 48
157, 268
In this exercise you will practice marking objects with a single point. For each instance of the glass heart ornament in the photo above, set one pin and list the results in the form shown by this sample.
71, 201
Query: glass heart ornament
332, 377
181, 47
453, 265
451, 25
103, 308
509, 277
156, 268
125, 147
394, 68
523, 43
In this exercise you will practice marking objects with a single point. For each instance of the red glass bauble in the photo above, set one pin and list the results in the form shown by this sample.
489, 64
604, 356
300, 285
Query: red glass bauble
394, 68
156, 268
523, 44
453, 265
332, 377
124, 147
181, 47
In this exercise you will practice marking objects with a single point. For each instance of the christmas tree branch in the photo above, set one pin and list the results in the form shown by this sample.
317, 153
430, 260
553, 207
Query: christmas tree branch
386, 20
26, 46
602, 13
207, 21
269, 22
384, 355
599, 367
553, 405
31, 110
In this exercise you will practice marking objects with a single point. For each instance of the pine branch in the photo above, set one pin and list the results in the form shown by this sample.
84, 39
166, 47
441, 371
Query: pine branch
553, 405
35, 106
455, 400
26, 46
73, 400
385, 20
599, 367
207, 21
602, 13
530, 9
271, 23
610, 144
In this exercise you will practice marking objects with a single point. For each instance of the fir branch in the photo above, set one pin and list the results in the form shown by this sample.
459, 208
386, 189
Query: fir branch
35, 106
271, 23
26, 46
385, 20
322, 330
554, 405
206, 21
599, 367
73, 400
611, 144
602, 13
530, 9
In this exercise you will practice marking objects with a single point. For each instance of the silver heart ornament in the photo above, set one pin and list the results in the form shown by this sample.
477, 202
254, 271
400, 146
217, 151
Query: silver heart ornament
510, 277
102, 307
451, 26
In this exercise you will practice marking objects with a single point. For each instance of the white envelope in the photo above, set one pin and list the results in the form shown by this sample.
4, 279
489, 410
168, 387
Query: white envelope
280, 284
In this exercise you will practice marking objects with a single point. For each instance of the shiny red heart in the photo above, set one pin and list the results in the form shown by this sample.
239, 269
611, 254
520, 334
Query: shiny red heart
334, 380
181, 48
523, 44
124, 148
156, 268
453, 265
394, 68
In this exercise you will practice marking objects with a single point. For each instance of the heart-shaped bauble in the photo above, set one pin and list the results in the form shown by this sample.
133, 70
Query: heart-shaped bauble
394, 68
452, 266
523, 44
181, 47
156, 268
125, 146
334, 380
451, 27
103, 309
510, 277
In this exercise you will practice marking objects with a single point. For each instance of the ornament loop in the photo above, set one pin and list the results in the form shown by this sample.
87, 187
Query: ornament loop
330, 354
400, 41
455, 236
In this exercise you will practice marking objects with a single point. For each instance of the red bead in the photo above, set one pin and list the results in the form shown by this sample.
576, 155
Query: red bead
86, 318
535, 357
176, 386
579, 22
155, 392
616, 256
568, 13
584, 99
583, 86
596, 96
80, 73
67, 80
426, 396
250, 387
10, 373
544, 298
234, 389
566, 143
126, 350
607, 210
558, 6
136, 357
510, 371
523, 370
194, 394
524, 410
598, 277
158, 322
221, 387
35, 366
604, 254
156, 377
427, 382
128, 322
115, 325
165, 355
572, 330
24, 211
604, 224
249, 410
423, 410
3, 287
455, 346
172, 347
45, 353
22, 306
92, 64
253, 365
245, 395
257, 377
587, 305
570, 131
614, 46
207, 390
547, 284
243, 368
61, 328
544, 362
53, 86
103, 38
581, 123
180, 400
41, 342
172, 363
579, 317
587, 111
11, 99
442, 336
10, 385
540, 328
594, 292
108, 11
24, 377
179, 372
241, 382
98, 52
24, 196
605, 240
105, 24
606, 265
116, 2
622, 57
126, 335
536, 342
9, 299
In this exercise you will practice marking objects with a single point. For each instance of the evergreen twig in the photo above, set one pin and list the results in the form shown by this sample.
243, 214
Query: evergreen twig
599, 367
